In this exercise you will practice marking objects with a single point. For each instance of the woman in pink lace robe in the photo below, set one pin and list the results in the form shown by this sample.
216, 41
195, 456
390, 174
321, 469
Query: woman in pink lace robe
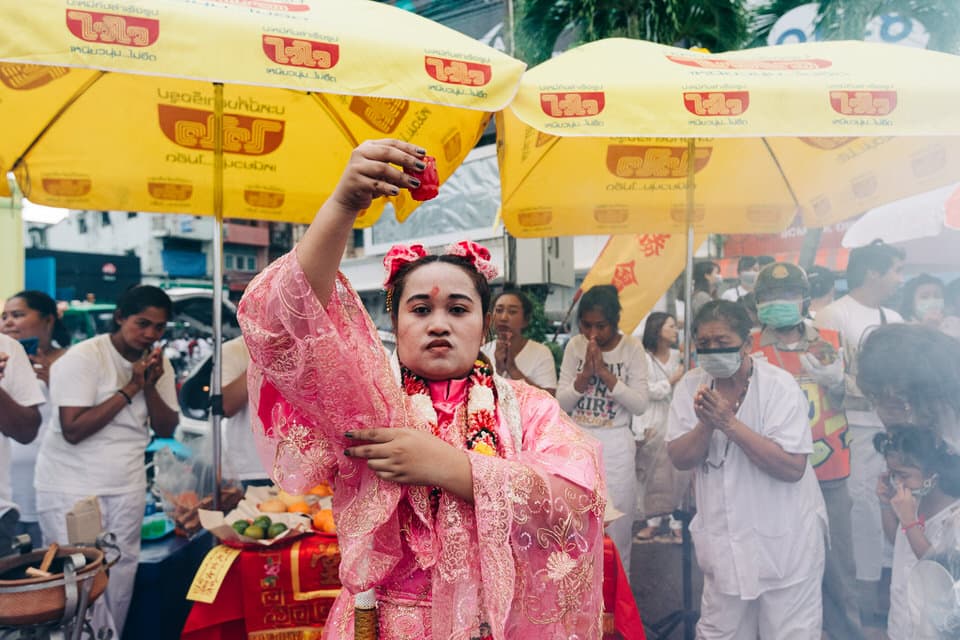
471, 504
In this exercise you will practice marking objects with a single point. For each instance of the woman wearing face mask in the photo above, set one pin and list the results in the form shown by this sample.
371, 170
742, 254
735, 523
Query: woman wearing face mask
813, 357
513, 355
31, 317
741, 424
747, 269
468, 503
603, 384
920, 503
923, 301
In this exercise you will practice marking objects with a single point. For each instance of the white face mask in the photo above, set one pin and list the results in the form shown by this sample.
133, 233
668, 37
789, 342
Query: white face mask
749, 278
720, 363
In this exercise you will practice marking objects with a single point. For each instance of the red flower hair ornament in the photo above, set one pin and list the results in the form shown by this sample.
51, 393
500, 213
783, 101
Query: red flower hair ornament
403, 254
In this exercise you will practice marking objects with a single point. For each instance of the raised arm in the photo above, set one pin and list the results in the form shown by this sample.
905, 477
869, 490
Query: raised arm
369, 174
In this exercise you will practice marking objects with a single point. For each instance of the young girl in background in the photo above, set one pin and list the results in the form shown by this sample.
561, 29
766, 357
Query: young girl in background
920, 502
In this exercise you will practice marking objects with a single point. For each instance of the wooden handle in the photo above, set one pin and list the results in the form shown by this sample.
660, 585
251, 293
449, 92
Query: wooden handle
33, 572
48, 557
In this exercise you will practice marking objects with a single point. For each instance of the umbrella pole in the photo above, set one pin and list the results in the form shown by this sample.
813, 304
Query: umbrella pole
688, 272
216, 396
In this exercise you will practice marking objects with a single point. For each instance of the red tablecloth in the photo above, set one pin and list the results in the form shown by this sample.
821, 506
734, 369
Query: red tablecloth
286, 594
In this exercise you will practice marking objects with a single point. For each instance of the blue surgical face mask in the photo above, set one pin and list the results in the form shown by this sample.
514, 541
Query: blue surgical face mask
779, 314
720, 363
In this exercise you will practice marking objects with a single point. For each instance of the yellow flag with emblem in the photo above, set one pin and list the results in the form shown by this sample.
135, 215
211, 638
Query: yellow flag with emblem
642, 267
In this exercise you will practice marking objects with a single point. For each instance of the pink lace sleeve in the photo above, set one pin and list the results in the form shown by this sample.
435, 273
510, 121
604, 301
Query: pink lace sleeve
539, 518
316, 372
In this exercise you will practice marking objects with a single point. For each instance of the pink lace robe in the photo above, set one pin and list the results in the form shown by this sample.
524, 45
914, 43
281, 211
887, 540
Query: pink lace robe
523, 561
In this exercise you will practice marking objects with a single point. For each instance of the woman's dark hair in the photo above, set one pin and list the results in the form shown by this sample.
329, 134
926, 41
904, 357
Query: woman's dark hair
921, 447
652, 329
821, 281
519, 295
731, 313
908, 304
746, 262
47, 308
876, 256
136, 299
399, 280
700, 271
603, 297
918, 363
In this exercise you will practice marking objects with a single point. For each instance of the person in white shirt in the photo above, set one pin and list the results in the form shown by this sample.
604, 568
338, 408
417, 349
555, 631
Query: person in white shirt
747, 269
513, 355
20, 398
603, 384
109, 392
822, 288
239, 451
660, 485
920, 500
873, 274
32, 316
759, 532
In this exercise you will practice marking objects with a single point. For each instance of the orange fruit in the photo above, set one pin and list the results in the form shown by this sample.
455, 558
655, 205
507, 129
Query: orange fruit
323, 521
321, 490
299, 507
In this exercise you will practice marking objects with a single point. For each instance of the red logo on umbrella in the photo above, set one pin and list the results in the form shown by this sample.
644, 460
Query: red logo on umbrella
652, 161
451, 71
572, 104
113, 28
176, 191
263, 199
245, 135
297, 52
863, 103
716, 103
383, 114
23, 77
67, 187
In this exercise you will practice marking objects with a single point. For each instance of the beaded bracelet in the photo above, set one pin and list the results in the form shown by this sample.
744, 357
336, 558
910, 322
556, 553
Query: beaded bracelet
125, 396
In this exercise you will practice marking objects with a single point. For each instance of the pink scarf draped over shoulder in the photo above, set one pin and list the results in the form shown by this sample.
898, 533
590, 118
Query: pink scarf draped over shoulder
524, 560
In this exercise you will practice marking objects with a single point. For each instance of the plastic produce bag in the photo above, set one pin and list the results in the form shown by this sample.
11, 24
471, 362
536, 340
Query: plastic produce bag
186, 484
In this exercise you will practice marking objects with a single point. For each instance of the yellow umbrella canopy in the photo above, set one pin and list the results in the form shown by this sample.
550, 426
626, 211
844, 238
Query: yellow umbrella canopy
600, 139
115, 107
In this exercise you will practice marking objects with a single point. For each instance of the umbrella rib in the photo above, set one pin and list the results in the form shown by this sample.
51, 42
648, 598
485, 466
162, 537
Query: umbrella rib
786, 182
335, 117
63, 108
543, 155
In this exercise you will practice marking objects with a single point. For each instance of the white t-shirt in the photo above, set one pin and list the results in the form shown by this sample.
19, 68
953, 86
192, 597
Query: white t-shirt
23, 462
854, 321
752, 532
660, 393
110, 462
599, 406
899, 619
239, 451
734, 293
535, 361
20, 382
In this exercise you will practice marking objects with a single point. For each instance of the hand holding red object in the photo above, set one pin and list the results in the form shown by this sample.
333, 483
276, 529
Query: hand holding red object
429, 180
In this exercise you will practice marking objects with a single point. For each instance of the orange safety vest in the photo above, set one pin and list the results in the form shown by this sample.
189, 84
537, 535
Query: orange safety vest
831, 448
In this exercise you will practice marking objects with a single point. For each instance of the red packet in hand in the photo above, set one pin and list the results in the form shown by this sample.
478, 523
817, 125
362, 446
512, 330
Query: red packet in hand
429, 180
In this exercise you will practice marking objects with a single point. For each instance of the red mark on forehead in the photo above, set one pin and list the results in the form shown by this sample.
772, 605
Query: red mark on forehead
434, 291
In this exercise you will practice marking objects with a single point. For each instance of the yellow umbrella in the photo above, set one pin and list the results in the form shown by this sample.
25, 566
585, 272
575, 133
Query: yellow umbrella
244, 108
123, 113
600, 139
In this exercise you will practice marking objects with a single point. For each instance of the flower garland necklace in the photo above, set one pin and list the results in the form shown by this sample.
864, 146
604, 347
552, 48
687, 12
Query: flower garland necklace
480, 435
